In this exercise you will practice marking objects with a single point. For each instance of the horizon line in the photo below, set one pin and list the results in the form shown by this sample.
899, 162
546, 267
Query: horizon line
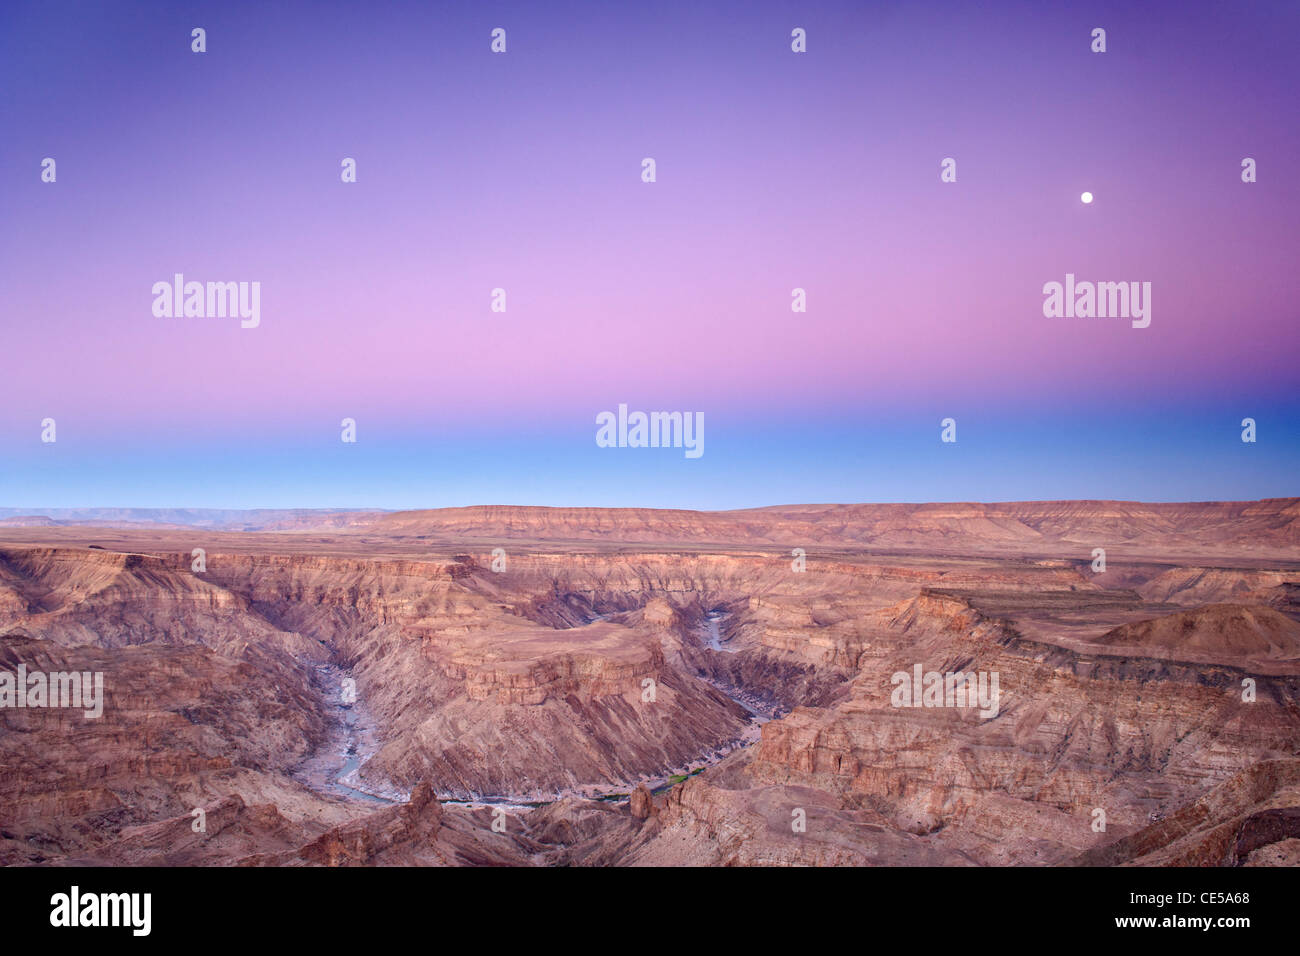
10, 511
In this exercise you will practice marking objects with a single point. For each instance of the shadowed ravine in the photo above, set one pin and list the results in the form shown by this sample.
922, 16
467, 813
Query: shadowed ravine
334, 769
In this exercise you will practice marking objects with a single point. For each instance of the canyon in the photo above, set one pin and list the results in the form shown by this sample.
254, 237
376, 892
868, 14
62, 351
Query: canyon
657, 688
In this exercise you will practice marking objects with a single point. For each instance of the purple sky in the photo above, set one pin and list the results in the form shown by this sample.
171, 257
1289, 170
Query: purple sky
522, 171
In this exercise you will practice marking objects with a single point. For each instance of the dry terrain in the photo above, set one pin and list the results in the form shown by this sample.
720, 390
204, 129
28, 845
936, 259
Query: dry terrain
534, 686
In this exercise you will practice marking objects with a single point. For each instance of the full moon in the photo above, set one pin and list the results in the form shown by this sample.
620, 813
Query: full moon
1086, 197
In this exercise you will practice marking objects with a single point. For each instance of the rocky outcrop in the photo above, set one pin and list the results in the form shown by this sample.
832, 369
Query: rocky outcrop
415, 823
1230, 825
1254, 638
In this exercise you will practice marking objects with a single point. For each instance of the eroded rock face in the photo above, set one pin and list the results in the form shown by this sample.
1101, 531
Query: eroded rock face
181, 728
1074, 732
414, 824
1233, 824
1252, 637
641, 803
603, 661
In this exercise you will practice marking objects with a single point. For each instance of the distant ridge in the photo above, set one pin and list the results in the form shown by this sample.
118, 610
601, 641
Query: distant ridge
1257, 528
1269, 528
226, 519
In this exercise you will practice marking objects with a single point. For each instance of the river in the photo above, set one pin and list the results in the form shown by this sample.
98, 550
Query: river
354, 739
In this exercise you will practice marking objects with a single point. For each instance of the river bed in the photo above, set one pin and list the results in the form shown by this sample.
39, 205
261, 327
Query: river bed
353, 739
335, 768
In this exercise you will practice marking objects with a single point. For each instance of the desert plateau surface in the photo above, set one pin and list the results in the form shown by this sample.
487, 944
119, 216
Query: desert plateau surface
1118, 683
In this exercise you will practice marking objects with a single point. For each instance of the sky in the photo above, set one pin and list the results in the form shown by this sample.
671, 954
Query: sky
522, 170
